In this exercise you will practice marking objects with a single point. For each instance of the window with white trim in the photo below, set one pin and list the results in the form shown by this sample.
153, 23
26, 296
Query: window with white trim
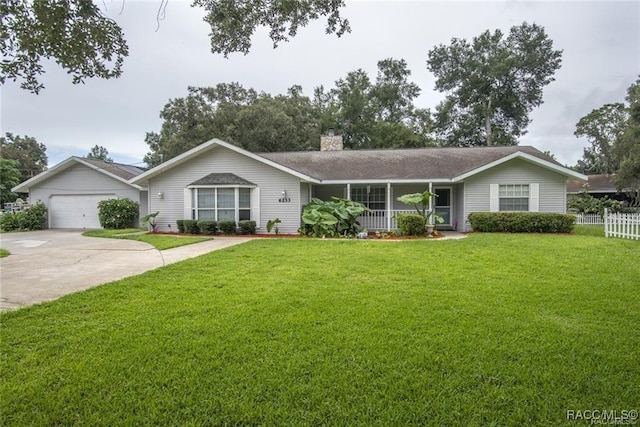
372, 197
221, 203
514, 197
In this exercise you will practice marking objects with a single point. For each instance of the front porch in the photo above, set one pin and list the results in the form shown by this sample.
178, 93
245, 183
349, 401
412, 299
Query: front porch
382, 200
382, 220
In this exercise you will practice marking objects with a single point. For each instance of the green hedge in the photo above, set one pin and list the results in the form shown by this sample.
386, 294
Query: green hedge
521, 222
227, 227
208, 227
34, 218
247, 227
411, 224
191, 226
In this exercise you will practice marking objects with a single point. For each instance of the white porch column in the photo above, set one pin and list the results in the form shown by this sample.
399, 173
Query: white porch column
348, 191
389, 203
430, 203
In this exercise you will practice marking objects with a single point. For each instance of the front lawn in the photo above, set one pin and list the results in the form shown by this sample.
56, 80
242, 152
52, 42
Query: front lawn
589, 230
488, 330
159, 241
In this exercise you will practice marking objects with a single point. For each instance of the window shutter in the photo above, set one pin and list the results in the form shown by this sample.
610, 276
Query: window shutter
534, 199
187, 204
494, 198
255, 206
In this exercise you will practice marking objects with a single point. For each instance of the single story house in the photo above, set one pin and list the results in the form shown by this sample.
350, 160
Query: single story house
72, 189
219, 181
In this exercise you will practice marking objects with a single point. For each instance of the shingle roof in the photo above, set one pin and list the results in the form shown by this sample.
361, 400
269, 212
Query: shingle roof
417, 163
597, 184
125, 172
222, 179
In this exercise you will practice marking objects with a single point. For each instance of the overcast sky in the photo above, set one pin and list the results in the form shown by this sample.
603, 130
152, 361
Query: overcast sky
601, 58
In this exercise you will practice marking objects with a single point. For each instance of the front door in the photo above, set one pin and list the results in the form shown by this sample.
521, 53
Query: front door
443, 204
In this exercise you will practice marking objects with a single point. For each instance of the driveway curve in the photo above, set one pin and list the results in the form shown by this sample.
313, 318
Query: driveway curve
45, 265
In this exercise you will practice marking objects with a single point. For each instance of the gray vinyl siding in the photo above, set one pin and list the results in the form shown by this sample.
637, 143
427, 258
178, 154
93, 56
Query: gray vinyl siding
81, 180
144, 203
552, 192
270, 180
305, 195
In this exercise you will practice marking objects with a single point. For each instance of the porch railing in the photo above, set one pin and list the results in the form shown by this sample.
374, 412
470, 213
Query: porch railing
377, 219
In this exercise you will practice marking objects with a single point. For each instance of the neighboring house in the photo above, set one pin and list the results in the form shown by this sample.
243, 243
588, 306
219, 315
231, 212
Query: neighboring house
599, 186
72, 189
217, 180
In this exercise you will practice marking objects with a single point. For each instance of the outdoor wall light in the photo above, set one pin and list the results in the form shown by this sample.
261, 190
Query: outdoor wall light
284, 193
161, 195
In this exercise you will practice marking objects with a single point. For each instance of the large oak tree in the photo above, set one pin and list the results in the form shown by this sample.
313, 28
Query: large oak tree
613, 133
86, 43
27, 152
492, 83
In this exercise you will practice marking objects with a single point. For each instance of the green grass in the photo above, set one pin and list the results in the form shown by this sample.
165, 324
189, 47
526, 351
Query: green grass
589, 230
159, 241
4, 253
489, 330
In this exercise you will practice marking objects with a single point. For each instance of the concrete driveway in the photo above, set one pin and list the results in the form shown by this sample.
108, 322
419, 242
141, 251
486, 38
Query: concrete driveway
45, 265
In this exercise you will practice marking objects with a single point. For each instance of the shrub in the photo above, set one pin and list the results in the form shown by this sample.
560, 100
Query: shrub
180, 224
191, 226
587, 204
117, 213
411, 224
208, 227
227, 227
10, 221
33, 218
521, 222
247, 227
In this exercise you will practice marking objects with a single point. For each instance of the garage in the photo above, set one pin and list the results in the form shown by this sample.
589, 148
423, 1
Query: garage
76, 210
72, 189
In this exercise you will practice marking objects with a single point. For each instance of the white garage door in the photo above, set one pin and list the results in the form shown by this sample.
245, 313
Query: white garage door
75, 210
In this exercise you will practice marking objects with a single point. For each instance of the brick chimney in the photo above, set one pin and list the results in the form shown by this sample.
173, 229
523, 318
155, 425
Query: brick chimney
331, 142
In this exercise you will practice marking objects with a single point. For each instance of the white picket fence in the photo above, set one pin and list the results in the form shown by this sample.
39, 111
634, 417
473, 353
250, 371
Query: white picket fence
625, 225
589, 219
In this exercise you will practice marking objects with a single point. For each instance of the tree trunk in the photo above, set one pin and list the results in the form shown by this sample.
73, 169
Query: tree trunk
487, 122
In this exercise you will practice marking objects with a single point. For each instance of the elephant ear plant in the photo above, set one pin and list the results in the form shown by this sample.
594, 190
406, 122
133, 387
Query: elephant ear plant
420, 201
272, 224
334, 218
150, 220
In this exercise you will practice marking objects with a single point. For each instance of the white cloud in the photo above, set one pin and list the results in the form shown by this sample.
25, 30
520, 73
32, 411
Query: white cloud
601, 43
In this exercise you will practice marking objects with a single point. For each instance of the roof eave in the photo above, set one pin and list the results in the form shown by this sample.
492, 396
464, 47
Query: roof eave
527, 157
206, 146
107, 173
25, 186
385, 181
65, 164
